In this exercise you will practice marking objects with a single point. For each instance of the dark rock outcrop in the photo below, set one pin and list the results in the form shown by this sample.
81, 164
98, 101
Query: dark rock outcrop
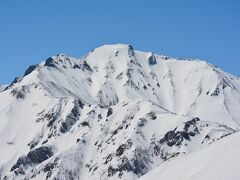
34, 157
30, 69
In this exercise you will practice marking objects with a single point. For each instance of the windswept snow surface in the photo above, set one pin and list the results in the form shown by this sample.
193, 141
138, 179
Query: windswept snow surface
116, 113
218, 161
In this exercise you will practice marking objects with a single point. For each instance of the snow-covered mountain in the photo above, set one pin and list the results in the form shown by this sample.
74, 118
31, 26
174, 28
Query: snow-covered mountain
118, 113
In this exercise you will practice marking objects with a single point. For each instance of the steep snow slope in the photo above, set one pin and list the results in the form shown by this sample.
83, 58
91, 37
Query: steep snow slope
219, 161
117, 113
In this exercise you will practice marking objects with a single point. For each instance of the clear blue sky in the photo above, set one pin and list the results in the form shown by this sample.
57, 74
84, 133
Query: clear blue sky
31, 31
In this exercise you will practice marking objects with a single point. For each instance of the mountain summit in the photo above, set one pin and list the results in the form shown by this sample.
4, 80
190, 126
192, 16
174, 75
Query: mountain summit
117, 113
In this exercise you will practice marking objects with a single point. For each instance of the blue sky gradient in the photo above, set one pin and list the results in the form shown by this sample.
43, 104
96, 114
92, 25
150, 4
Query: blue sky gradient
31, 31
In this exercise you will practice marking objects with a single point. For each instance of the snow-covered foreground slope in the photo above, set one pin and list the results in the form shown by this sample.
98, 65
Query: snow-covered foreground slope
117, 113
218, 161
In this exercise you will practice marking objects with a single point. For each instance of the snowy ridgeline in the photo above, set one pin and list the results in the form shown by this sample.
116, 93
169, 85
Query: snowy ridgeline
2, 87
119, 113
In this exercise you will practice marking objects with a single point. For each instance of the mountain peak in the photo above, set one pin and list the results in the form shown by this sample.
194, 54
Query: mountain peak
114, 46
112, 50
59, 59
119, 45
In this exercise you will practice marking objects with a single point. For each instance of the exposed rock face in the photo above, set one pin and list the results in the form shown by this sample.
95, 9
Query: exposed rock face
30, 69
34, 157
117, 113
152, 60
